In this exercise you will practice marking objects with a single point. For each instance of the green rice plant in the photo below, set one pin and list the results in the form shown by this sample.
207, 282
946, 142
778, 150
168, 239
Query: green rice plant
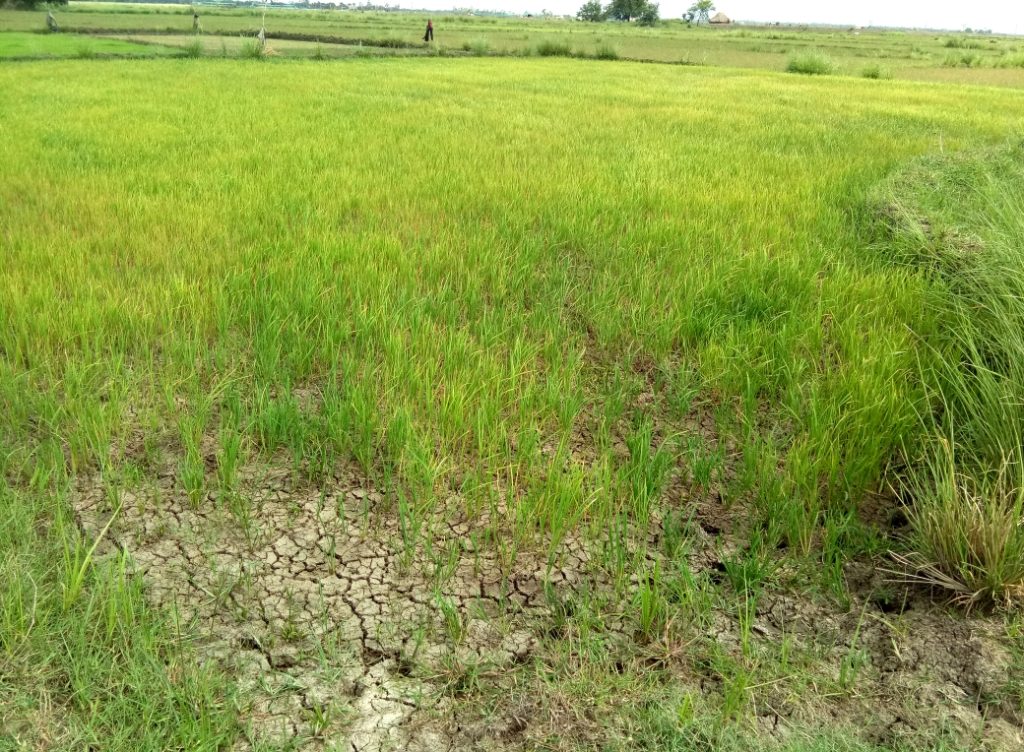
454, 624
750, 570
648, 468
854, 660
705, 462
651, 605
811, 64
229, 457
77, 560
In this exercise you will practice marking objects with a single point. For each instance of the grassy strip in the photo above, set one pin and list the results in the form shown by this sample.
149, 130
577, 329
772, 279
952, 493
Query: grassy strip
84, 662
292, 36
960, 221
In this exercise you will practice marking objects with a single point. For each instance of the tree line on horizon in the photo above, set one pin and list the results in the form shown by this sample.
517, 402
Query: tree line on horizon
644, 12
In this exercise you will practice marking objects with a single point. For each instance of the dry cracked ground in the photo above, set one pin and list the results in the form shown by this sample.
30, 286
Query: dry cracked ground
346, 629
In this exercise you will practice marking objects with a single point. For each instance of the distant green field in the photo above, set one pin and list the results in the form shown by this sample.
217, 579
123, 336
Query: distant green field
25, 45
933, 56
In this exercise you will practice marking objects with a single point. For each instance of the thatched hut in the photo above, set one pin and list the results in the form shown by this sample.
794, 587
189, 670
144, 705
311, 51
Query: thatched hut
720, 19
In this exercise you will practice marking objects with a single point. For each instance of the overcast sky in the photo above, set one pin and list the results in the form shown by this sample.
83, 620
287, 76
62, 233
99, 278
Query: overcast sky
998, 15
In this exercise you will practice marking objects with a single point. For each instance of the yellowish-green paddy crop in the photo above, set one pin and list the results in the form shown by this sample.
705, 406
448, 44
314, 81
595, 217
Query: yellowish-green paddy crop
510, 283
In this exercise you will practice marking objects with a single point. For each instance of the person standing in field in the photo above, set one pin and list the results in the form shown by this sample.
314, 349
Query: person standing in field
429, 36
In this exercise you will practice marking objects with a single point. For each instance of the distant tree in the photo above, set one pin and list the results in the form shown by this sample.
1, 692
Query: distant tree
625, 10
688, 17
591, 11
648, 15
33, 4
701, 10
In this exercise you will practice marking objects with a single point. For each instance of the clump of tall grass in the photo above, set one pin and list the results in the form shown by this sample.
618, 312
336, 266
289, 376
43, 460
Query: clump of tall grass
552, 48
968, 531
194, 48
478, 46
1015, 60
318, 52
251, 49
963, 60
811, 64
875, 71
967, 482
85, 52
606, 51
962, 43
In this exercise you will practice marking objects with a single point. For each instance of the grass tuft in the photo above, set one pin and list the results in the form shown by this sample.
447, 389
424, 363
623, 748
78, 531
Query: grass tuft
552, 48
194, 49
811, 64
968, 534
478, 46
251, 49
875, 71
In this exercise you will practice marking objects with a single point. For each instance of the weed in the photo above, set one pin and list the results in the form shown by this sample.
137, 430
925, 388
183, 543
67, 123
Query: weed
194, 48
553, 48
250, 49
875, 71
478, 46
811, 64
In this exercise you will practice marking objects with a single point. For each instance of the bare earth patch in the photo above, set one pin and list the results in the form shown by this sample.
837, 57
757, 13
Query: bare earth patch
347, 630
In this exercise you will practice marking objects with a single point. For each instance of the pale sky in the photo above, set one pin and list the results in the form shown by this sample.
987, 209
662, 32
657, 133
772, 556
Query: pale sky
998, 15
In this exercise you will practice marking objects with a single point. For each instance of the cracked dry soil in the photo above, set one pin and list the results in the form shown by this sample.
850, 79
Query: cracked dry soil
330, 624
342, 637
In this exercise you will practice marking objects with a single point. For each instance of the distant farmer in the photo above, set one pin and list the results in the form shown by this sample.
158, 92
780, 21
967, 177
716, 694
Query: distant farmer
429, 36
51, 22
195, 22
261, 39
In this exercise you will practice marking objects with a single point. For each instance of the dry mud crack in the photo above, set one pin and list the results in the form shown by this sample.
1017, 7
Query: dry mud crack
310, 598
342, 637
